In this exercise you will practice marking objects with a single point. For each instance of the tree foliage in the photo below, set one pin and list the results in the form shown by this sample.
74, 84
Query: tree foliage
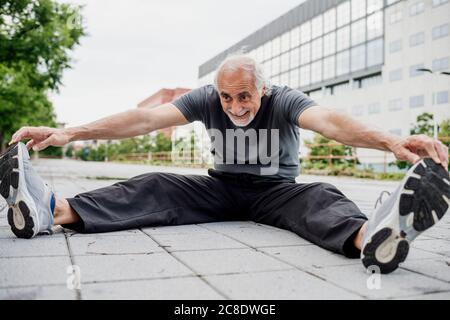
36, 38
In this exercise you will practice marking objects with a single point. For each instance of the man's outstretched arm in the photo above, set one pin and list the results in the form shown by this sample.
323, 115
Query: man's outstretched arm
127, 124
349, 131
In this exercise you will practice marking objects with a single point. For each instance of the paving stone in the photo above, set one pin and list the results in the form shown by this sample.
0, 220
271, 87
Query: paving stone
189, 288
108, 245
126, 233
183, 229
38, 246
438, 268
33, 271
129, 267
309, 257
257, 236
38, 293
430, 296
439, 246
396, 284
229, 261
438, 232
196, 241
285, 285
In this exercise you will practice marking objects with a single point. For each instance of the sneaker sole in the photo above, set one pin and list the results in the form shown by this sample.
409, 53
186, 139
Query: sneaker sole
422, 203
21, 213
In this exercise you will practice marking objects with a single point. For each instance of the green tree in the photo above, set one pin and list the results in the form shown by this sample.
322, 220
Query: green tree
36, 38
320, 148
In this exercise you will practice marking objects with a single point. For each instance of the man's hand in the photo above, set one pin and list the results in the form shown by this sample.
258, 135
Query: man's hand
41, 137
416, 147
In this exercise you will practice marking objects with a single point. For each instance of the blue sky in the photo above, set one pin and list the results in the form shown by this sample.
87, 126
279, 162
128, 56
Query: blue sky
136, 47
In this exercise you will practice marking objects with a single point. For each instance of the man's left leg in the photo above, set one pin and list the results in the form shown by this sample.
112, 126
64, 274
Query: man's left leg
317, 212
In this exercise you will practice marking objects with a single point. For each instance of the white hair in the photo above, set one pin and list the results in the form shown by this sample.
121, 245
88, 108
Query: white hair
244, 62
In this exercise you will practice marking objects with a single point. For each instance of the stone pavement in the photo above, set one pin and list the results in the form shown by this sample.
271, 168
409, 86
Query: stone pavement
232, 260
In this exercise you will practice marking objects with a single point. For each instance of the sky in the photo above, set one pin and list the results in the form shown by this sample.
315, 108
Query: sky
136, 47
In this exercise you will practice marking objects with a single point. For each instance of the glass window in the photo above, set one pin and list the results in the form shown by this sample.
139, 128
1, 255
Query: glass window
439, 2
416, 39
305, 32
275, 80
329, 44
413, 70
416, 8
395, 104
276, 46
375, 25
295, 58
316, 71
329, 20
268, 50
294, 77
395, 46
317, 26
374, 108
285, 41
295, 37
440, 31
268, 68
285, 62
358, 9
396, 16
284, 79
316, 49
416, 101
276, 66
371, 81
305, 53
358, 58
329, 67
357, 110
305, 75
343, 14
396, 75
343, 38
341, 88
375, 52
441, 97
343, 63
440, 64
374, 5
358, 32
260, 54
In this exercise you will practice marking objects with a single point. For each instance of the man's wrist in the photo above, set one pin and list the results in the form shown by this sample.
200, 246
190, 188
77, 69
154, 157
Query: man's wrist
390, 141
74, 134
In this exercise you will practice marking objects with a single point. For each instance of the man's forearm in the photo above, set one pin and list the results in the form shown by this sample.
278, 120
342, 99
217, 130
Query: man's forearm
122, 125
352, 132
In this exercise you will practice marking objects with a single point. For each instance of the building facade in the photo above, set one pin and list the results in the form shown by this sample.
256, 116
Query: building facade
359, 57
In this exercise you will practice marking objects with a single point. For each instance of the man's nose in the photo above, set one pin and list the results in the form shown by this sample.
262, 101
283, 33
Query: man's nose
236, 108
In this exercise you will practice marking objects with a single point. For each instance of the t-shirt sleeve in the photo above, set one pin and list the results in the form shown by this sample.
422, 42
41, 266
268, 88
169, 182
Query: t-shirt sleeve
193, 104
293, 103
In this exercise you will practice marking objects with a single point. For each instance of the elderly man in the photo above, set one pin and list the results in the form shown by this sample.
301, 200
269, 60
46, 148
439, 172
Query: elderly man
254, 181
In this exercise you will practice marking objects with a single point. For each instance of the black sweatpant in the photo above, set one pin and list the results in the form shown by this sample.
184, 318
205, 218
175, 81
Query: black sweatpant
317, 212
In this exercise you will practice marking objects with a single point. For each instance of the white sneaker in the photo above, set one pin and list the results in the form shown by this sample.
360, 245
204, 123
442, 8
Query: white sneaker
30, 200
419, 202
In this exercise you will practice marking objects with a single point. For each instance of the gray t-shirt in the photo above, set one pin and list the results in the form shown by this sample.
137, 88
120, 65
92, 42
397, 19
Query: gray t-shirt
268, 146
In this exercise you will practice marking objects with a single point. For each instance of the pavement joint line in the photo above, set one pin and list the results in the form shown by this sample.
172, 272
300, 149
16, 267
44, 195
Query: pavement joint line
195, 273
421, 295
294, 266
72, 260
424, 274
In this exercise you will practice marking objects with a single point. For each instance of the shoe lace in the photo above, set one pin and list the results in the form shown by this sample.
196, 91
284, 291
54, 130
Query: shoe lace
380, 198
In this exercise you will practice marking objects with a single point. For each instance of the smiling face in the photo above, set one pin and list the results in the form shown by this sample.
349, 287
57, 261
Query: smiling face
239, 96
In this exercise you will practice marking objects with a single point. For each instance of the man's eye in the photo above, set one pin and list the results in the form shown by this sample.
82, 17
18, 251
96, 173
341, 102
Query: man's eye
244, 98
226, 98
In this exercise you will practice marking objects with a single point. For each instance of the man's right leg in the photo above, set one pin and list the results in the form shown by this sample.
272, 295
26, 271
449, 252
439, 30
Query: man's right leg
154, 199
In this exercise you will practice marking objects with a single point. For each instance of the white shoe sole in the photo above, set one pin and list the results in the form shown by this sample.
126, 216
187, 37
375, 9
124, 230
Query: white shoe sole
22, 212
423, 200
